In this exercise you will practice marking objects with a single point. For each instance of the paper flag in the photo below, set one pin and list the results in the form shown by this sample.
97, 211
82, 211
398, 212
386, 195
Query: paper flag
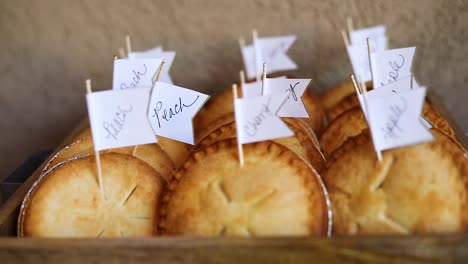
391, 65
294, 88
157, 53
118, 118
256, 118
395, 122
254, 88
134, 73
172, 109
377, 36
400, 86
358, 51
270, 50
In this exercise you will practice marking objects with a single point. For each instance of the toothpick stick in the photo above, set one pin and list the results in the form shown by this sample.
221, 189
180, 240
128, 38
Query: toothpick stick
97, 156
350, 24
356, 87
254, 40
242, 77
128, 44
345, 37
369, 55
122, 54
158, 75
364, 95
239, 145
263, 77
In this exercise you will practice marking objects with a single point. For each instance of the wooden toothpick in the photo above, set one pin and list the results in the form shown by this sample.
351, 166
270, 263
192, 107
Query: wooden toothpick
355, 85
158, 75
128, 44
263, 77
242, 77
122, 54
369, 55
345, 37
239, 145
97, 156
254, 40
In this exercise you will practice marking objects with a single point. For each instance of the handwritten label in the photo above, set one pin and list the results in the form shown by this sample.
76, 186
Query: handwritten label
395, 120
400, 86
134, 73
172, 109
257, 119
294, 89
161, 112
391, 65
157, 53
269, 50
118, 118
117, 123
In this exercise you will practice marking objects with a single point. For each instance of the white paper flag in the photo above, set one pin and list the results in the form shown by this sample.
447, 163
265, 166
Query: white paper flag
391, 65
254, 88
395, 120
358, 51
270, 50
118, 118
376, 35
400, 86
256, 118
172, 109
157, 53
134, 73
294, 88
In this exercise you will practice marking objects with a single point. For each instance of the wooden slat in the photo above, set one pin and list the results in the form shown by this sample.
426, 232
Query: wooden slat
373, 249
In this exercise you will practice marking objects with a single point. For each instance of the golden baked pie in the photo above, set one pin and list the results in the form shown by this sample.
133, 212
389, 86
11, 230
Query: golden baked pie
150, 153
429, 113
416, 189
333, 96
177, 151
275, 193
223, 104
302, 144
67, 201
352, 123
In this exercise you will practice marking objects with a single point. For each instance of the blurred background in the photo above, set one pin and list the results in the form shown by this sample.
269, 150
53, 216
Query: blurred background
49, 47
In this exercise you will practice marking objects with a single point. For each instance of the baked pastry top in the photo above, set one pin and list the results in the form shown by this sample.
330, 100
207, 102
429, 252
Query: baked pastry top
301, 143
67, 201
150, 153
177, 151
275, 193
416, 189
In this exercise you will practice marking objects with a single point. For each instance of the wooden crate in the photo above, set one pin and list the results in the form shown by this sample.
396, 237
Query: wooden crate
448, 248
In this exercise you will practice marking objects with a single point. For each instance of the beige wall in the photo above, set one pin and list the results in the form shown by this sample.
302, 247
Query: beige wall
48, 47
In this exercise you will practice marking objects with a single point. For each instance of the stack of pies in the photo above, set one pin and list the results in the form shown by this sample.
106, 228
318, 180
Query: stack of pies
170, 188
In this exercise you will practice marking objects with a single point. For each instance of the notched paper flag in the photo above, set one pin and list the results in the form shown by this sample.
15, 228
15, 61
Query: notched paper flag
391, 65
157, 53
254, 88
395, 120
134, 73
171, 111
269, 50
118, 118
358, 50
295, 89
257, 119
